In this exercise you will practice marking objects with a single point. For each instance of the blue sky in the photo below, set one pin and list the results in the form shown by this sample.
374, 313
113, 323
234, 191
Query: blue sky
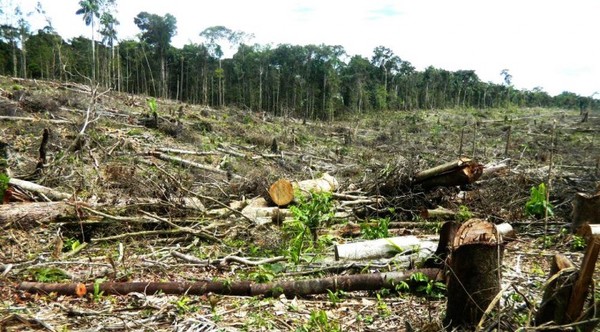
551, 44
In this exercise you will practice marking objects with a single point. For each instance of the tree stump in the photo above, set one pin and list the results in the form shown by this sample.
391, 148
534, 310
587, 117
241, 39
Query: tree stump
475, 273
586, 210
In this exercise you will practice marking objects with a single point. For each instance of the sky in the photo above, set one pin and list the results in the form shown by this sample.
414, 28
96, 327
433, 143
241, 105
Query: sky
550, 44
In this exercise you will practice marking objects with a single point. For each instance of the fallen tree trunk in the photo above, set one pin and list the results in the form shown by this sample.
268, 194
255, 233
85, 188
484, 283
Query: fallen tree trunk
261, 213
36, 188
454, 173
28, 215
347, 283
381, 248
475, 273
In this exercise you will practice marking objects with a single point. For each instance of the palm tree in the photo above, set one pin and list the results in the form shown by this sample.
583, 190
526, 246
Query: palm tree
89, 9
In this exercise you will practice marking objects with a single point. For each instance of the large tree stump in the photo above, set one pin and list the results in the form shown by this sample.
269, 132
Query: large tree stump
568, 289
475, 273
586, 210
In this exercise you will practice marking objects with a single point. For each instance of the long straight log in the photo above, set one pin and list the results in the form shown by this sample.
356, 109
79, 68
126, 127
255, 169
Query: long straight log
185, 162
348, 283
32, 214
381, 248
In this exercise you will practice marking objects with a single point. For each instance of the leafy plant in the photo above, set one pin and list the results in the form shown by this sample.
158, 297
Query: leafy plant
3, 185
309, 214
578, 242
382, 307
378, 231
261, 275
153, 106
538, 205
319, 322
428, 287
97, 294
335, 297
464, 213
71, 244
49, 275
182, 304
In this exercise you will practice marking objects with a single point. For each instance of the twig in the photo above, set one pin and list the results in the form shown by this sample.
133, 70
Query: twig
189, 230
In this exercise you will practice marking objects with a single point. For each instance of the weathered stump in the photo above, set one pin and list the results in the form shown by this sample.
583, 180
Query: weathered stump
474, 273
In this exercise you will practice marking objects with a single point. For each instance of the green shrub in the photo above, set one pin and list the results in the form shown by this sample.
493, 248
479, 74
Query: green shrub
538, 205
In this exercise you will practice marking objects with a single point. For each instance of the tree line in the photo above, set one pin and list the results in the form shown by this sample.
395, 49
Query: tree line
307, 81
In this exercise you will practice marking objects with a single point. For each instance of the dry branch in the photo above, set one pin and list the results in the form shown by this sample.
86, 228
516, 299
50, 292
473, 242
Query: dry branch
347, 283
185, 162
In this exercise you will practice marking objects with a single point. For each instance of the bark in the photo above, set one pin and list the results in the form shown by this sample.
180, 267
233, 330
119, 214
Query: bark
474, 279
460, 172
380, 248
447, 233
586, 210
292, 288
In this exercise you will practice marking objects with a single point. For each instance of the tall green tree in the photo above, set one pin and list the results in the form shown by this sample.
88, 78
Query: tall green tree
90, 9
157, 31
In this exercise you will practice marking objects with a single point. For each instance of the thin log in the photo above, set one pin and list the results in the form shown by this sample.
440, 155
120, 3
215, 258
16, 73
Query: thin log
326, 183
461, 172
347, 283
36, 188
179, 151
185, 162
20, 118
475, 272
438, 213
259, 212
380, 248
72, 289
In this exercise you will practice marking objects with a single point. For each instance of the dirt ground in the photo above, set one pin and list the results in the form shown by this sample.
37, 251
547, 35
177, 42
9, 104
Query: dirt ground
126, 190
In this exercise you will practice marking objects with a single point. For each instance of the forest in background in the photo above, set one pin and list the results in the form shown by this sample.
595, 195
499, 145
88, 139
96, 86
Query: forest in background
304, 81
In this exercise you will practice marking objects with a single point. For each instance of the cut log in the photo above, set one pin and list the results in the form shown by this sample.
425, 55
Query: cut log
460, 172
474, 275
586, 210
259, 211
326, 183
281, 192
381, 248
347, 283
